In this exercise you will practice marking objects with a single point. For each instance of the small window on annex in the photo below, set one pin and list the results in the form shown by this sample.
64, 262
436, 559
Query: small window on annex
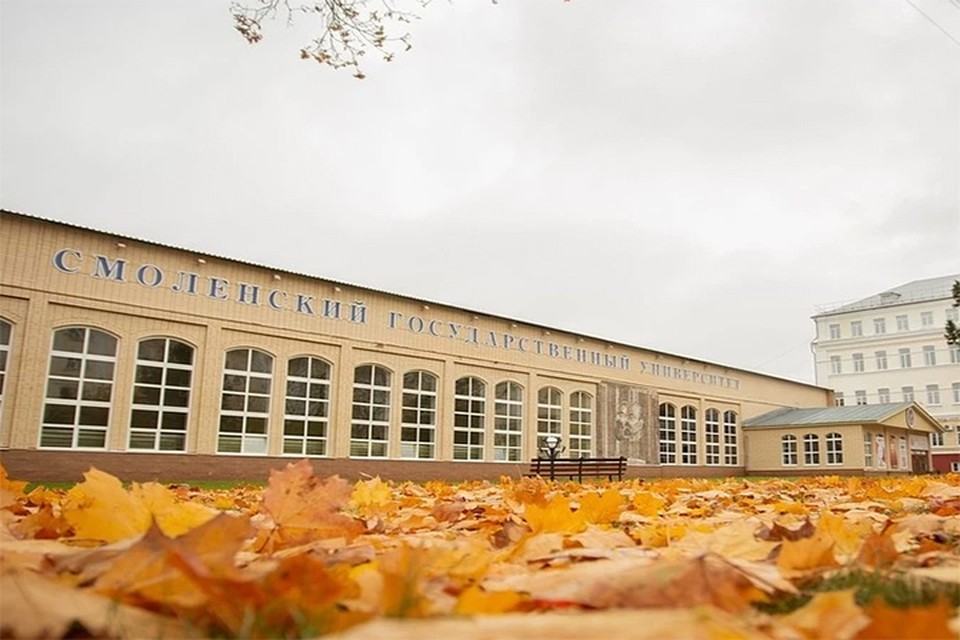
508, 422
668, 434
834, 448
581, 424
161, 395
811, 449
788, 450
370, 426
469, 415
418, 428
306, 407
549, 414
79, 391
245, 402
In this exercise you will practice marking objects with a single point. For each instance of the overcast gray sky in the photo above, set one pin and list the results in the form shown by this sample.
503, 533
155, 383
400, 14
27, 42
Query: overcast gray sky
684, 175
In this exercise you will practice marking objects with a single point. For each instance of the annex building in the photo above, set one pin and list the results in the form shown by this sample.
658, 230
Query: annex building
154, 362
890, 347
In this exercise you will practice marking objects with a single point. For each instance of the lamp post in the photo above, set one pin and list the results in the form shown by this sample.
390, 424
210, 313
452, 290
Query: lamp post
551, 449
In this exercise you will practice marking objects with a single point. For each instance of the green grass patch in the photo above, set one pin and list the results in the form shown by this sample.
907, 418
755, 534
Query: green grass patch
895, 588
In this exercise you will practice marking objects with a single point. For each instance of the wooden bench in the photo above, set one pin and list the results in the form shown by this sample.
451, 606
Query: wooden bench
578, 468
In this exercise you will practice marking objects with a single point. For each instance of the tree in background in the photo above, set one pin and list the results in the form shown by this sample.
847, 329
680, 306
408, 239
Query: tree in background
952, 331
347, 28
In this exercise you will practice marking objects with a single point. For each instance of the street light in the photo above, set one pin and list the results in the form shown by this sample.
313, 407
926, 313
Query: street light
551, 449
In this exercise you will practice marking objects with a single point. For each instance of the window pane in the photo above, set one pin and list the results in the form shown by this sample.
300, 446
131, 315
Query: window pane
151, 350
180, 353
102, 344
69, 340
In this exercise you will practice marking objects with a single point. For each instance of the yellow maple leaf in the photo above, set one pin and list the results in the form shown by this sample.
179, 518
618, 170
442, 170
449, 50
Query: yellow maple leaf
834, 615
476, 600
602, 508
556, 516
102, 509
648, 504
372, 497
807, 554
10, 490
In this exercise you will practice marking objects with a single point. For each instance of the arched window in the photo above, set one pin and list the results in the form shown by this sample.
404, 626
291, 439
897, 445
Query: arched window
161, 395
6, 331
418, 422
688, 435
788, 450
549, 413
811, 449
834, 443
469, 414
581, 424
508, 422
307, 407
370, 426
79, 393
245, 402
668, 434
711, 432
731, 444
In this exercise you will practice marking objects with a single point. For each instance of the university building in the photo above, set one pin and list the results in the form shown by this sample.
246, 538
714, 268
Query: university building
890, 347
155, 362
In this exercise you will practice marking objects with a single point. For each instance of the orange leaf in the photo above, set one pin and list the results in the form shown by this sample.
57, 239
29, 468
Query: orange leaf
828, 616
305, 508
913, 623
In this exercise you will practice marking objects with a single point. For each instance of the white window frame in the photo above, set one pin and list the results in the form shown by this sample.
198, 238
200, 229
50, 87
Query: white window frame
836, 365
731, 439
956, 392
908, 393
868, 450
254, 398
172, 403
668, 433
881, 357
926, 318
834, 445
858, 363
6, 340
508, 422
549, 414
883, 395
906, 359
581, 424
89, 392
418, 419
933, 394
306, 407
856, 328
834, 331
688, 435
788, 450
370, 417
861, 396
903, 323
929, 356
936, 439
811, 449
711, 437
879, 326
469, 418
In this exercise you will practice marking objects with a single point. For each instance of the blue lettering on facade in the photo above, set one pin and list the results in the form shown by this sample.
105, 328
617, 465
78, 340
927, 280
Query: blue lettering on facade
272, 299
60, 257
248, 294
304, 304
218, 288
190, 286
149, 275
103, 269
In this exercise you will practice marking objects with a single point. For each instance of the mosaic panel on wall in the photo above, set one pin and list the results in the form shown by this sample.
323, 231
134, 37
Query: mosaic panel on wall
627, 421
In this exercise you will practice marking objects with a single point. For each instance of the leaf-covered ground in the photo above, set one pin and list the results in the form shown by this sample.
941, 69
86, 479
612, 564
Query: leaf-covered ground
823, 557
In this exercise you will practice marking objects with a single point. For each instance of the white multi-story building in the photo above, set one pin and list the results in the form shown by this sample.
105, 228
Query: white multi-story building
889, 348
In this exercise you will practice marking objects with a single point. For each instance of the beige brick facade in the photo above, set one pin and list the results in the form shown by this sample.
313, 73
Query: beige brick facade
56, 278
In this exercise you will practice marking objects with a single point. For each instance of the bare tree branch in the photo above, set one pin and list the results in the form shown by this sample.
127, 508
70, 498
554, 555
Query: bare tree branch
347, 28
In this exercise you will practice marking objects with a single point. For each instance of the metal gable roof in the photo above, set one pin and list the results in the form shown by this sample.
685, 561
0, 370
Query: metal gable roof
861, 413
